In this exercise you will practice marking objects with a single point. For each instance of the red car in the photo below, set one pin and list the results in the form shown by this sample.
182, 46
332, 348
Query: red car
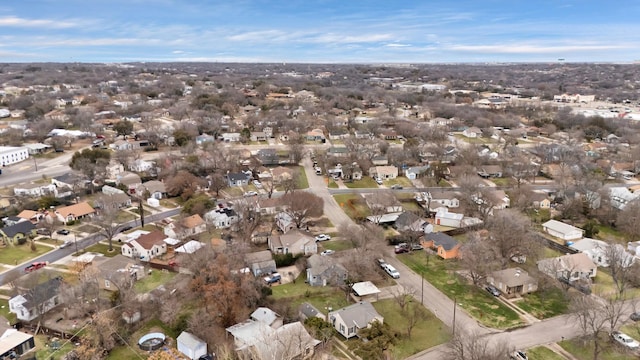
35, 266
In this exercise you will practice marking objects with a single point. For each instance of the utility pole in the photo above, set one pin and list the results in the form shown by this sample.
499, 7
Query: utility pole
455, 302
422, 289
35, 163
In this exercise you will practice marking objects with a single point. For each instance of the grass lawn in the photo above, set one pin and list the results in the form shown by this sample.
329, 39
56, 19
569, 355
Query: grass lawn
104, 249
332, 185
12, 255
357, 209
150, 282
545, 303
400, 180
137, 211
365, 183
234, 191
477, 302
603, 286
427, 333
584, 351
410, 205
124, 216
46, 352
609, 233
302, 182
168, 204
4, 311
322, 297
502, 181
337, 245
87, 228
543, 353
124, 353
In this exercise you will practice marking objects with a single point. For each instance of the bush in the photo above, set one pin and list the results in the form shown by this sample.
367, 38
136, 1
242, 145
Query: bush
285, 259
396, 239
22, 241
71, 222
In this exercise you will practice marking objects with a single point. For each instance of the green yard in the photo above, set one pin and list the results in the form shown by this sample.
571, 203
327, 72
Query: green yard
45, 351
322, 297
125, 353
103, 248
301, 181
13, 255
365, 183
477, 302
153, 280
545, 303
603, 286
400, 180
502, 181
543, 353
426, 334
584, 351
337, 245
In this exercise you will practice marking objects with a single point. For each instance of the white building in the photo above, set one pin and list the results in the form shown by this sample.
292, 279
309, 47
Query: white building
562, 230
12, 155
446, 218
35, 190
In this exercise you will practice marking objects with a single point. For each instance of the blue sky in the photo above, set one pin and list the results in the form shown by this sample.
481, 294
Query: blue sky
326, 31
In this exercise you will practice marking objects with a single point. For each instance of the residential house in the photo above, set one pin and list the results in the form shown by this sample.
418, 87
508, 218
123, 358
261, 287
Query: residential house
69, 181
325, 270
14, 344
620, 196
409, 221
186, 227
572, 267
269, 206
11, 220
255, 340
156, 189
445, 246
600, 251
35, 190
380, 160
281, 173
260, 262
389, 134
113, 169
113, 201
448, 199
17, 231
415, 172
114, 272
445, 218
191, 346
338, 151
513, 282
37, 300
230, 137
258, 136
284, 222
238, 179
204, 138
267, 317
74, 212
130, 180
146, 247
32, 216
472, 132
268, 156
561, 230
351, 172
110, 190
384, 172
383, 202
293, 242
308, 311
540, 200
315, 135
490, 171
349, 320
221, 218
38, 148
141, 166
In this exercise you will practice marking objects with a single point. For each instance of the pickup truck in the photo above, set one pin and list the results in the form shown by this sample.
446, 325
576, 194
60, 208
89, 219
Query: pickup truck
273, 278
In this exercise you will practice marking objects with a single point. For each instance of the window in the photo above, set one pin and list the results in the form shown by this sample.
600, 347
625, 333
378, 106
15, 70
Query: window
342, 328
107, 283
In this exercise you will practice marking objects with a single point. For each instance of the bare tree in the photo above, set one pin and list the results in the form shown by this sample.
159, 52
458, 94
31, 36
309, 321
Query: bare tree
249, 219
471, 345
620, 267
413, 314
478, 258
587, 312
302, 205
364, 237
510, 235
627, 220
106, 221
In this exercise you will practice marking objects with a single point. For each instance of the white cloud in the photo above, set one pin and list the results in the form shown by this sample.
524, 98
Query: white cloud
532, 49
12, 21
397, 45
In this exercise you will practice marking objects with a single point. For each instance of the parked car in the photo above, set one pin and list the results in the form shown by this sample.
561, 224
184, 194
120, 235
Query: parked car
257, 184
42, 231
126, 228
389, 269
493, 290
250, 193
318, 171
401, 248
65, 244
625, 340
273, 278
381, 262
635, 316
417, 247
519, 355
323, 237
327, 252
378, 181
396, 187
63, 232
35, 266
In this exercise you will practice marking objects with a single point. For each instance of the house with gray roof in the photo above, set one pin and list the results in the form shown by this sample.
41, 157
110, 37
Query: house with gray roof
513, 282
307, 311
17, 231
238, 179
325, 270
37, 300
349, 320
409, 221
260, 262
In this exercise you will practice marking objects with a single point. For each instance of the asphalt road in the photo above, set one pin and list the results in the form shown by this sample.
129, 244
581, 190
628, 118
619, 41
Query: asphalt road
83, 243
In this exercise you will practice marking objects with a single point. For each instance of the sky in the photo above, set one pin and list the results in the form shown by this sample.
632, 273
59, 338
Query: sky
320, 31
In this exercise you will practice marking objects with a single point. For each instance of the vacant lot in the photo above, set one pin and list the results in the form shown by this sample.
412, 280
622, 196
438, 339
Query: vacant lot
477, 302
300, 292
152, 281
543, 353
353, 205
584, 350
13, 255
545, 303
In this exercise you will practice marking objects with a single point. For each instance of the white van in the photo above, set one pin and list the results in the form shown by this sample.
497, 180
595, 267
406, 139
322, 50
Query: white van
391, 271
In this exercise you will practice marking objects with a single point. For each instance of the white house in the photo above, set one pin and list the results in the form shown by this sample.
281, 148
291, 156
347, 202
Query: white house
472, 132
446, 218
293, 242
230, 137
37, 301
620, 196
600, 251
221, 218
562, 230
191, 346
569, 267
146, 247
448, 199
348, 320
140, 165
35, 190
189, 226
284, 222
